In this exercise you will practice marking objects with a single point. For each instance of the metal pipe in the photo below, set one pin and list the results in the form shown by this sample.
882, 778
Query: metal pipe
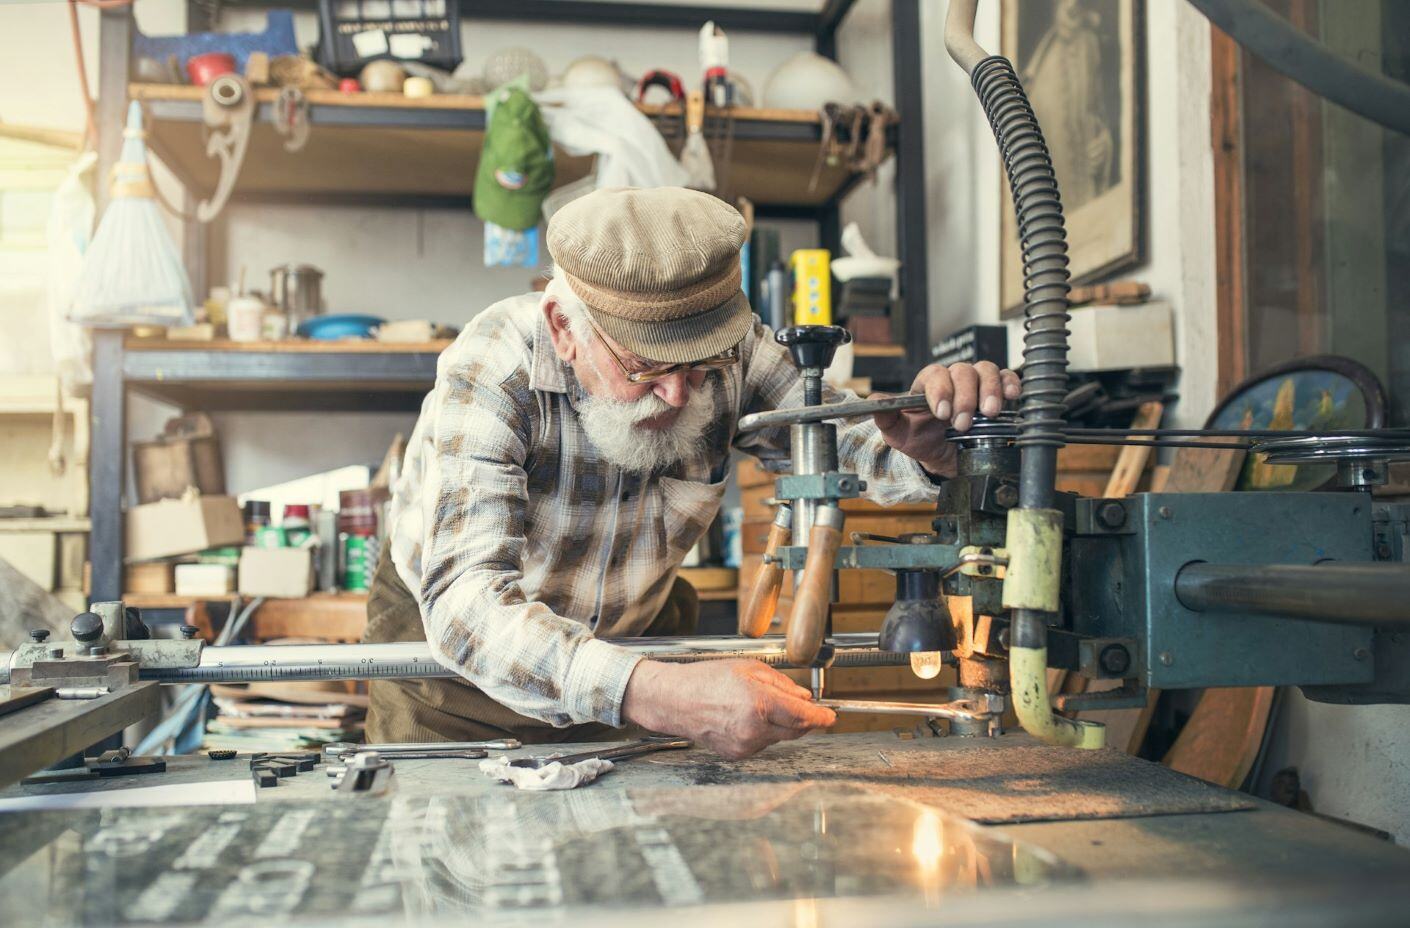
413, 659
959, 35
1343, 594
813, 447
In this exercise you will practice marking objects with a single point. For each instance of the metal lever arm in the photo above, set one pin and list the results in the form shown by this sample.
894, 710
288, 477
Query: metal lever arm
851, 410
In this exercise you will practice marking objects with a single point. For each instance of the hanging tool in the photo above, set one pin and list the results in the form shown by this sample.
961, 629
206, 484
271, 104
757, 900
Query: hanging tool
228, 109
695, 154
634, 749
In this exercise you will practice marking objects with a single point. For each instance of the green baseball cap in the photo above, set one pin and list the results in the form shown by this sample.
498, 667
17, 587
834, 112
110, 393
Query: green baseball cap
516, 163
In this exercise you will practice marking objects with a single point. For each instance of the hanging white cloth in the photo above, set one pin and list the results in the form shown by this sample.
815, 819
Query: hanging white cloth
601, 121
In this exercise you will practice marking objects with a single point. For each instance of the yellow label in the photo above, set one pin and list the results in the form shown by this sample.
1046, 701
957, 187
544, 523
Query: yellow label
812, 286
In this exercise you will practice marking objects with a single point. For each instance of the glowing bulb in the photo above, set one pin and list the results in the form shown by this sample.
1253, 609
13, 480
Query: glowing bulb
926, 664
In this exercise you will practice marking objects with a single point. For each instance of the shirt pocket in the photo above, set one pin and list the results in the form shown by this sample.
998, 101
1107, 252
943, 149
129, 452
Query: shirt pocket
688, 507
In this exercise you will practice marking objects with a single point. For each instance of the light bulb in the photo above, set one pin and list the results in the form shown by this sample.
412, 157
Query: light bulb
926, 664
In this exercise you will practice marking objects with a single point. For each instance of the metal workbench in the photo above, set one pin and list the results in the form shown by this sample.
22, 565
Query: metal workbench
779, 838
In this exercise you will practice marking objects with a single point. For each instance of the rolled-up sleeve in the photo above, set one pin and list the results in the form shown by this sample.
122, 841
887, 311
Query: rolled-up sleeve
771, 381
478, 620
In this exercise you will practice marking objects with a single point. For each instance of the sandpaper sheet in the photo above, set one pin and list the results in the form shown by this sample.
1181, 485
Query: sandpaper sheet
992, 781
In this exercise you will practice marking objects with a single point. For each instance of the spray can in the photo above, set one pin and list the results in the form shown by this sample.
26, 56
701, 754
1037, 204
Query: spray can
776, 296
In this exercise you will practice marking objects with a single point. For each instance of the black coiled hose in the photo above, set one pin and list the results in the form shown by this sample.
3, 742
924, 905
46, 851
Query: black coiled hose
1043, 238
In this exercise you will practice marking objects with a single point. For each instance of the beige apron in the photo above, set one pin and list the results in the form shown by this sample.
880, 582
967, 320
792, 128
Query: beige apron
451, 709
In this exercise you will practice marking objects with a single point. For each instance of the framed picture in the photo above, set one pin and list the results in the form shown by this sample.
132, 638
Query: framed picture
1080, 62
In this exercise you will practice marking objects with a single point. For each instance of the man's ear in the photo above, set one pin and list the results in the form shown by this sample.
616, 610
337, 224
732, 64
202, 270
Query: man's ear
564, 344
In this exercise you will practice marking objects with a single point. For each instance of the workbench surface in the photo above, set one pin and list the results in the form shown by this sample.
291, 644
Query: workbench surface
839, 829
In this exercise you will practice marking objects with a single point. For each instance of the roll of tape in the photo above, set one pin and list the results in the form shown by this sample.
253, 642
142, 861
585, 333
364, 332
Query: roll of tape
418, 87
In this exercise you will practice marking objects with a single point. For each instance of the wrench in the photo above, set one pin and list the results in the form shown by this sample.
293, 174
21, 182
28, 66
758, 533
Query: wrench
645, 746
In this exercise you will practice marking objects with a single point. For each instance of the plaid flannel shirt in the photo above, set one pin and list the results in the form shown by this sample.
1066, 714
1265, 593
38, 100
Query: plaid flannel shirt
526, 550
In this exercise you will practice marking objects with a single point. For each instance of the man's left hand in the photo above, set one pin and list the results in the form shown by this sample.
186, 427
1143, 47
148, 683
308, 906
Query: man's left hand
954, 395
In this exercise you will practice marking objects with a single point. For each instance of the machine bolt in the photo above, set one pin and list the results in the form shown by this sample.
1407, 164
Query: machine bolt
39, 634
1112, 514
56, 653
1164, 512
1166, 658
1383, 552
1006, 496
1114, 659
1360, 654
845, 484
189, 631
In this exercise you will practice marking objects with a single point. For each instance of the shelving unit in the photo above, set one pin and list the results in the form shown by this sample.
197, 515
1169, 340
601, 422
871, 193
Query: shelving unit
435, 143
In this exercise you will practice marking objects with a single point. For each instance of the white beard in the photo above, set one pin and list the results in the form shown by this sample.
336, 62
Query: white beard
613, 426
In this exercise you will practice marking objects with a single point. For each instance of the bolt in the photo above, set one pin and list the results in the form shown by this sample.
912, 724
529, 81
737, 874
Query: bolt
1114, 658
189, 631
39, 634
845, 485
86, 627
1164, 512
1006, 496
56, 653
1111, 514
1166, 658
1360, 654
1383, 552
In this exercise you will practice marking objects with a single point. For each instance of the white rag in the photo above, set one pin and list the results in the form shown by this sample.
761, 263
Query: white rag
549, 776
601, 121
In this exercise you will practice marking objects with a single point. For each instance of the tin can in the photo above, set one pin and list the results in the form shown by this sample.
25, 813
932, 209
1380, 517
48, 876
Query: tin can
269, 536
354, 565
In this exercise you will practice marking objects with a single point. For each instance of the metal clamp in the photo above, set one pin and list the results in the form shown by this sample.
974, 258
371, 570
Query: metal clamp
228, 109
829, 486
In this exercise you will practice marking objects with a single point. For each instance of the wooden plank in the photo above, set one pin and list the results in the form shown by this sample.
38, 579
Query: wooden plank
327, 616
1202, 470
1226, 139
293, 346
707, 579
1087, 457
1131, 462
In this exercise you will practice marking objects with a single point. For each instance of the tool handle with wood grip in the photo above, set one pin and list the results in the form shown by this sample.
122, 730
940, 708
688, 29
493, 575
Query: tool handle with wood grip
758, 612
814, 592
695, 111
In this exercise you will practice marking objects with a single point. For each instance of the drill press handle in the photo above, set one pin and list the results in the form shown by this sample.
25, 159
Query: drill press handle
812, 346
758, 612
813, 596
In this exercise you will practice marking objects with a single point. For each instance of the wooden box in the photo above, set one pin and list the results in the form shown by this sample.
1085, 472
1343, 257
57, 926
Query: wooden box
185, 455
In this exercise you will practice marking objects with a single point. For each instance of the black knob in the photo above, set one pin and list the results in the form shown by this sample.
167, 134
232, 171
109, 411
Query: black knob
189, 631
39, 634
813, 345
86, 626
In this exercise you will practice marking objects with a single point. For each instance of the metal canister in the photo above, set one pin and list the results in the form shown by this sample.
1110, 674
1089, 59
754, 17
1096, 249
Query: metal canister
297, 290
354, 562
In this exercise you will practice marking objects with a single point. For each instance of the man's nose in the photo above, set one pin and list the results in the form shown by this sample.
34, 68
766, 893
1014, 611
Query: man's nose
674, 389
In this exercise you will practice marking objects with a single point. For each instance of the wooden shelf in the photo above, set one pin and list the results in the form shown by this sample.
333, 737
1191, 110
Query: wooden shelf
366, 148
291, 346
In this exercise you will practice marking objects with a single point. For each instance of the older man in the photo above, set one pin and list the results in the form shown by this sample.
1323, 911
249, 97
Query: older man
574, 448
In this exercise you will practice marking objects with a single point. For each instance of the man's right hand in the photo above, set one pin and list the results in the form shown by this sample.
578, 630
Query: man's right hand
734, 707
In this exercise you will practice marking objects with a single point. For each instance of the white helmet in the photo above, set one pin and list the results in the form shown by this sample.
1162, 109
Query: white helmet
807, 81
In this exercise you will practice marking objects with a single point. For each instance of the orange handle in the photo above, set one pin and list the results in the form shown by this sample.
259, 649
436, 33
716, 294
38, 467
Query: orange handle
814, 593
759, 609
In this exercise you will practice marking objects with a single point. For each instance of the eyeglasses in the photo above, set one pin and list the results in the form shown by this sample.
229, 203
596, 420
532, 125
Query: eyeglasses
724, 359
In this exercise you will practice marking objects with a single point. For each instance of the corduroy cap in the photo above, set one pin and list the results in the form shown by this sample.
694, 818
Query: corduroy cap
658, 267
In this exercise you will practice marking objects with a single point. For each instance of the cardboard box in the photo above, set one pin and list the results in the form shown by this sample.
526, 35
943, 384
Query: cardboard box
1111, 338
204, 580
282, 572
149, 577
183, 526
185, 455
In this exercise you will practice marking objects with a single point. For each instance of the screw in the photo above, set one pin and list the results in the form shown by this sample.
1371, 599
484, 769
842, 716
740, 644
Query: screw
1114, 658
1383, 552
1112, 514
39, 634
56, 653
1006, 496
1166, 658
845, 485
1164, 512
1360, 654
189, 631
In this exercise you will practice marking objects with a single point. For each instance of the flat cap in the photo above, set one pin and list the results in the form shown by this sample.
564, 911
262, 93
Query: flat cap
657, 267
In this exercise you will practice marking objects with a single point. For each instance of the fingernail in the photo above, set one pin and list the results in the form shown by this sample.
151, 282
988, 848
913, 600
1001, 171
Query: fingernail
942, 409
992, 405
962, 421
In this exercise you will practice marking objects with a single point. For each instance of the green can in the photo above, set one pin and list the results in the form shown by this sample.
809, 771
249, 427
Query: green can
270, 536
354, 562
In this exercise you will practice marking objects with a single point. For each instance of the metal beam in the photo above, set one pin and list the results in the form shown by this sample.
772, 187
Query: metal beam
114, 53
906, 63
108, 453
590, 13
829, 21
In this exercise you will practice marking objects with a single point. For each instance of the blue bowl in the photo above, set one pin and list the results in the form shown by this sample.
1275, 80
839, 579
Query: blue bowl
328, 328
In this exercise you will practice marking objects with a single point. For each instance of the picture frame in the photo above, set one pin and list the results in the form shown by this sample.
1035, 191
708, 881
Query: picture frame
1082, 65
